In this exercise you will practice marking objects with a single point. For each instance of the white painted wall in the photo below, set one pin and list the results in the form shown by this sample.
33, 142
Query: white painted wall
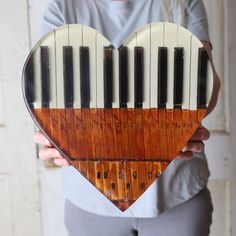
221, 147
19, 186
231, 46
219, 119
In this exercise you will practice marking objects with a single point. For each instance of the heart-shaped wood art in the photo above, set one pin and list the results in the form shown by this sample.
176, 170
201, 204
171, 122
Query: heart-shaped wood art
119, 116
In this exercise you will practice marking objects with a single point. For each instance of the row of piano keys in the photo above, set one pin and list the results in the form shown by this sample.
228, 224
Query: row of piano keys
146, 72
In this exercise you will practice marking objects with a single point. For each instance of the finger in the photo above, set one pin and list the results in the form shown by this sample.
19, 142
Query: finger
201, 134
188, 155
185, 155
49, 153
40, 138
61, 162
194, 146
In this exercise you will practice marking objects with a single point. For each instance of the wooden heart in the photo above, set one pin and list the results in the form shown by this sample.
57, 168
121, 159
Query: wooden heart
119, 116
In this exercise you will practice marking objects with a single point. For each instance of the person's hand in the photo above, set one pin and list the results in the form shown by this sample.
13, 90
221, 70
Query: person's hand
195, 144
47, 151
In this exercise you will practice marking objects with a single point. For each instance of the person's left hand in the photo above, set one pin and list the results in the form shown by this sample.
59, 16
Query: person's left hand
195, 144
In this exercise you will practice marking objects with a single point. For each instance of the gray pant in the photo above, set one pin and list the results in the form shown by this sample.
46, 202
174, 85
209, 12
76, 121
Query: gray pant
192, 218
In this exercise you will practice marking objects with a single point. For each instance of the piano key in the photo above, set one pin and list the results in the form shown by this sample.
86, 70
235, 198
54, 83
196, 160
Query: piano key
126, 143
90, 171
29, 82
68, 76
178, 77
184, 40
123, 76
157, 40
101, 42
121, 179
142, 175
75, 40
162, 77
116, 99
45, 79
171, 130
89, 40
37, 75
62, 39
131, 43
196, 44
98, 178
134, 179
113, 180
138, 76
128, 181
144, 41
49, 41
170, 41
108, 76
106, 177
202, 78
85, 77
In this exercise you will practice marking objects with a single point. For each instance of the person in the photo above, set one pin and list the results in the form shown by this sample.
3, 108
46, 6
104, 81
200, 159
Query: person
178, 203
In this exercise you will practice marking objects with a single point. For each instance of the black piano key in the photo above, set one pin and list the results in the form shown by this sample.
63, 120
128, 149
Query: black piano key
29, 81
202, 78
108, 76
178, 77
45, 77
68, 76
84, 77
138, 76
162, 76
123, 76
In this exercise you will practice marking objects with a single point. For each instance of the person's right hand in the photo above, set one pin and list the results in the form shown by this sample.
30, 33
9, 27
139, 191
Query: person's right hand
47, 151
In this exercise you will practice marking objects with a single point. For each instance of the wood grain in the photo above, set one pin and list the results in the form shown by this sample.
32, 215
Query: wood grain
120, 151
119, 134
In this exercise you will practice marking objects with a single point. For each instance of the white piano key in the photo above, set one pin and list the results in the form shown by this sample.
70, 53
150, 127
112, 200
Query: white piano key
90, 40
61, 35
101, 42
184, 40
75, 40
157, 40
131, 43
170, 41
144, 40
196, 44
115, 103
49, 41
37, 74
209, 83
